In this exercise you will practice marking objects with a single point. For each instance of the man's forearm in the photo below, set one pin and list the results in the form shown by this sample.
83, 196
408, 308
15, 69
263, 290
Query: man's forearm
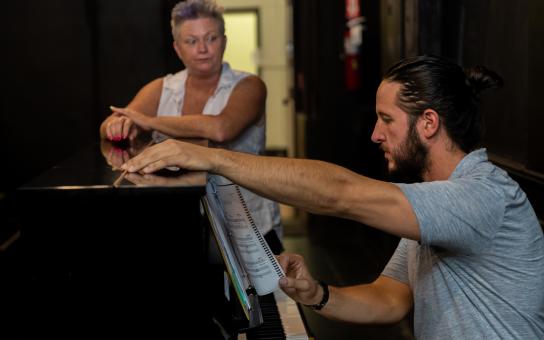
315, 186
322, 188
312, 185
365, 303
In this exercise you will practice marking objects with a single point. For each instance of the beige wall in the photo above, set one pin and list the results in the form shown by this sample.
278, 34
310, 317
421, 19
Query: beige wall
273, 59
242, 52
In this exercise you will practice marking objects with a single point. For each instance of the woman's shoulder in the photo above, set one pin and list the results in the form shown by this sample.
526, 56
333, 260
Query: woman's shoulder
175, 81
252, 80
175, 77
256, 84
231, 75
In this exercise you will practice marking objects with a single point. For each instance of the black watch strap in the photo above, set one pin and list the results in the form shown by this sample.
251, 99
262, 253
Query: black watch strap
325, 298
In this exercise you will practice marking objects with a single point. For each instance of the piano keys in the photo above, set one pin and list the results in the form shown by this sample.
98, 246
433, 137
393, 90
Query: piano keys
282, 320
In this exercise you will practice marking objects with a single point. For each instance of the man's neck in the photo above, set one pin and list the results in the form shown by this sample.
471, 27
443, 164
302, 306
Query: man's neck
442, 162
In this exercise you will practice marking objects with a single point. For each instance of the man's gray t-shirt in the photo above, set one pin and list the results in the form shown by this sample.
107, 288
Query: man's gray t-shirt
478, 270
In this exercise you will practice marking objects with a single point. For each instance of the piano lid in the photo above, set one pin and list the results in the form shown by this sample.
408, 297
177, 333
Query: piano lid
97, 168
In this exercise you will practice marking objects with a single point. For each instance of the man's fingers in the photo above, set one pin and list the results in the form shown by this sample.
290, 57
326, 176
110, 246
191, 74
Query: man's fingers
287, 259
150, 160
289, 291
297, 284
283, 261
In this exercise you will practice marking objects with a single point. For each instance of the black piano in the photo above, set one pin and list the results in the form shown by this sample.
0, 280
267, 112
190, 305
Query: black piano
101, 254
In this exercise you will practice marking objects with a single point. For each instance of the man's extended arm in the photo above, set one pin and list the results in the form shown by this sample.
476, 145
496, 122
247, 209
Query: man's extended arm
316, 186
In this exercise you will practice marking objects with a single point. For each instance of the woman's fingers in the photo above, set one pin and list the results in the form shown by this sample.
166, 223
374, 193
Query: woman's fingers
118, 128
125, 129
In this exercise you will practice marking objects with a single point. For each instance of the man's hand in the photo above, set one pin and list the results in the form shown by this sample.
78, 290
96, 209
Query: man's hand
298, 283
185, 179
172, 153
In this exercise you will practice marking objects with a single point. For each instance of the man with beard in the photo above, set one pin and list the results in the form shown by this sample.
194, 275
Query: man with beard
471, 258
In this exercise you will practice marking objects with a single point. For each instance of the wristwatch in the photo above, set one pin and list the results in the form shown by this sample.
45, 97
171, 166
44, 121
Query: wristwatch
324, 299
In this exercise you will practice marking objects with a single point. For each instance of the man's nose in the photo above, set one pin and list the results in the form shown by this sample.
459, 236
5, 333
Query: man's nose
377, 136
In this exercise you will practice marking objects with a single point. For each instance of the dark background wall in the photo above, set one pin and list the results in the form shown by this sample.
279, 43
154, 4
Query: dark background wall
506, 37
47, 72
339, 121
64, 62
500, 34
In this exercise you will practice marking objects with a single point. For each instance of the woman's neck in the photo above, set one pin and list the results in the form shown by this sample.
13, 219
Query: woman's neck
203, 84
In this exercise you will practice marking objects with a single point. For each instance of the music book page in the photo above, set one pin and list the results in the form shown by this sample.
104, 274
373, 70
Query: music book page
234, 268
251, 249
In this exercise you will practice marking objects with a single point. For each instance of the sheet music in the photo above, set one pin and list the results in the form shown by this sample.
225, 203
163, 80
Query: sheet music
252, 250
234, 269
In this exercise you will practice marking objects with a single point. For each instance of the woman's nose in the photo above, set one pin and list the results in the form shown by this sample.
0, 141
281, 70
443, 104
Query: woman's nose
202, 46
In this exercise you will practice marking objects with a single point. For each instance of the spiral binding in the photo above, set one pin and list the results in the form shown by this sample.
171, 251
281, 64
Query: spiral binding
262, 241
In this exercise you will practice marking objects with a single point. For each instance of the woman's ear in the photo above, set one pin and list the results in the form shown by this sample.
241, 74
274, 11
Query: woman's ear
431, 123
224, 45
176, 48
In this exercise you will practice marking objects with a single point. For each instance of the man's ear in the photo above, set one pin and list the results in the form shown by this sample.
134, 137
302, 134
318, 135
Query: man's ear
430, 121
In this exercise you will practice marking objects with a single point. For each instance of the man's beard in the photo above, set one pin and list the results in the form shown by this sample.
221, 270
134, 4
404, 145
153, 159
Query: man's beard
410, 159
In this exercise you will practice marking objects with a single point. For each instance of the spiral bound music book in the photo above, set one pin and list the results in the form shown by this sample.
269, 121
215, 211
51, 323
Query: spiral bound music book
253, 263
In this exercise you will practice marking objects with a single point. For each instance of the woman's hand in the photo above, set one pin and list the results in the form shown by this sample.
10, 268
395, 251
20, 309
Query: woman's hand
118, 127
134, 117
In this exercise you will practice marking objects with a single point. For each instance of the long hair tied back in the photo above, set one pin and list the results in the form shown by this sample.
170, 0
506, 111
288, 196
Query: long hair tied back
479, 78
431, 82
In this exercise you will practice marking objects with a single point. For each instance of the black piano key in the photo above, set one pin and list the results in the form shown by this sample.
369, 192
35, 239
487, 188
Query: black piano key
272, 328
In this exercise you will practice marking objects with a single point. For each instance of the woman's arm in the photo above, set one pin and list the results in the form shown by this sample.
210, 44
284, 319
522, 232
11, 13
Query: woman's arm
146, 103
244, 107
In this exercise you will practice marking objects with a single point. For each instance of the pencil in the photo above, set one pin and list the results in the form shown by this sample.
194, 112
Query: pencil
120, 179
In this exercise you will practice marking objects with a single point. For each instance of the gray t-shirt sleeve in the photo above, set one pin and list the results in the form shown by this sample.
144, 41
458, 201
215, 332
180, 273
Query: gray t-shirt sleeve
460, 215
397, 267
